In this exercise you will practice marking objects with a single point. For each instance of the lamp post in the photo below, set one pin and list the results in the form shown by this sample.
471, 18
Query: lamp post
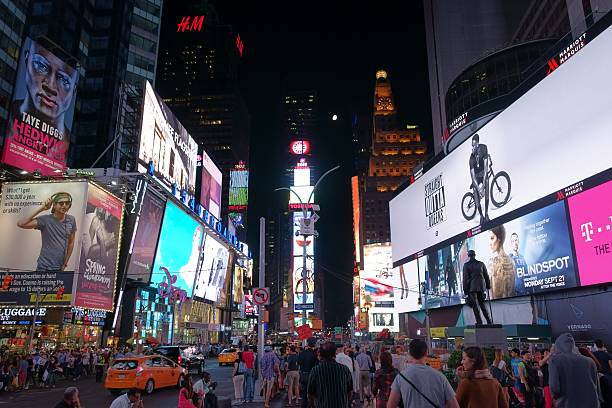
304, 207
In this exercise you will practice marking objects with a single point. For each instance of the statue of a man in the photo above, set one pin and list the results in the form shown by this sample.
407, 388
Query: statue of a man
475, 282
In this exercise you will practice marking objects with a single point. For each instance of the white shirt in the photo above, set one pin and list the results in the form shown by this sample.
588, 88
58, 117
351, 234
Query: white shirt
345, 360
198, 388
121, 402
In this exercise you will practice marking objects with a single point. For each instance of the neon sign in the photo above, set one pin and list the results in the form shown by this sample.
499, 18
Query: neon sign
239, 45
300, 147
187, 24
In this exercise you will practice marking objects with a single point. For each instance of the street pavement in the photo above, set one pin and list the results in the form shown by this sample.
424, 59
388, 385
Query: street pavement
94, 395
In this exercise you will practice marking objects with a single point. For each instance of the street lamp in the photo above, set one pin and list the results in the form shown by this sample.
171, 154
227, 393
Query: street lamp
304, 207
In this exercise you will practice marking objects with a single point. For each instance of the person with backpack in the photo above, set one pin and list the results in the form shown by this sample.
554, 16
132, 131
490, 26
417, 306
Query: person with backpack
419, 385
500, 371
478, 388
383, 378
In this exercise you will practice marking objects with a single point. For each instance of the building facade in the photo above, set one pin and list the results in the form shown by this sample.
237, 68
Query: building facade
396, 151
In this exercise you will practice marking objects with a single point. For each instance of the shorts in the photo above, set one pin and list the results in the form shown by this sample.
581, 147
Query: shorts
293, 378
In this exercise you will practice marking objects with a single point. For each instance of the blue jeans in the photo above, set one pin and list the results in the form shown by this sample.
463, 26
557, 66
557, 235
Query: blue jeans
249, 384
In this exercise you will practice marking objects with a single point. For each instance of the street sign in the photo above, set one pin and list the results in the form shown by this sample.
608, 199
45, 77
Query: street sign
304, 306
307, 226
261, 296
338, 330
315, 217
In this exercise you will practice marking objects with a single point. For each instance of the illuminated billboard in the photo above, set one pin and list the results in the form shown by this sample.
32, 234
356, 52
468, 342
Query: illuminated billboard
210, 188
356, 218
492, 173
149, 210
166, 145
41, 113
239, 188
301, 196
212, 271
300, 147
377, 287
178, 250
591, 220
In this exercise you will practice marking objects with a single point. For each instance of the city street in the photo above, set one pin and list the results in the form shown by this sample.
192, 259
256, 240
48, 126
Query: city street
93, 395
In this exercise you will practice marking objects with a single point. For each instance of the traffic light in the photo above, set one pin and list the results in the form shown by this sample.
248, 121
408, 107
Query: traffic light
60, 293
6, 282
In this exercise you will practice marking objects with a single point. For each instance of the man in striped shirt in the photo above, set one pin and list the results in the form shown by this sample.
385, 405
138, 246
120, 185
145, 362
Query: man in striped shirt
330, 384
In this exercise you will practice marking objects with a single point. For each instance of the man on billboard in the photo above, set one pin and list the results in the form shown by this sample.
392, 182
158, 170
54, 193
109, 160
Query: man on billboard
519, 263
479, 164
51, 86
57, 230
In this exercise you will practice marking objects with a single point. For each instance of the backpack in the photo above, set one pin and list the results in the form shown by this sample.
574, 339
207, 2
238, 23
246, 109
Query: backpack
501, 375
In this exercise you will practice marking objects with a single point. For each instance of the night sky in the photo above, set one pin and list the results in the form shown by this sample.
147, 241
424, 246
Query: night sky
334, 49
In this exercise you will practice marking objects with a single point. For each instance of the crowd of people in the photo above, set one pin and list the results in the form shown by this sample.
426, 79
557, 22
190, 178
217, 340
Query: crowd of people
42, 368
325, 374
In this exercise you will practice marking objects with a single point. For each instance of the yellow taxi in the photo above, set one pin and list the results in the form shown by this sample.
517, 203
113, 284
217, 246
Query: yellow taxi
228, 356
143, 372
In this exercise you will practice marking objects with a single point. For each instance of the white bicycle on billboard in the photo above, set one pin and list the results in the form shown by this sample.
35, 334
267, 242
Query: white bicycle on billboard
499, 190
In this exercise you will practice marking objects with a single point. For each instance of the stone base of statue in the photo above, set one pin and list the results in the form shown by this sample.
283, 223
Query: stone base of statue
485, 335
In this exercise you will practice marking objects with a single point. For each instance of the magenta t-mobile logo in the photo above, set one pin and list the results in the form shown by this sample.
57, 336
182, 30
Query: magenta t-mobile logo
587, 231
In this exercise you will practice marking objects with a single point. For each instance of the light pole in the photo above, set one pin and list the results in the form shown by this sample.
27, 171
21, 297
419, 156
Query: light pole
304, 207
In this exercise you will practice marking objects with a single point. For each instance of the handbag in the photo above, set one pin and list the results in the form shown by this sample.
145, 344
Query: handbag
419, 391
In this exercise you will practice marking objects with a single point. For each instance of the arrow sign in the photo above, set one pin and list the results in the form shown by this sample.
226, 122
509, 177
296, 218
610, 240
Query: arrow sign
261, 296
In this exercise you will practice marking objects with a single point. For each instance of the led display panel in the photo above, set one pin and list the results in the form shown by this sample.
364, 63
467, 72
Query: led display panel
179, 248
492, 173
211, 276
591, 219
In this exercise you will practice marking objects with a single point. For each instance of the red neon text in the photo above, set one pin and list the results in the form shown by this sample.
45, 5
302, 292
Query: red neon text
187, 24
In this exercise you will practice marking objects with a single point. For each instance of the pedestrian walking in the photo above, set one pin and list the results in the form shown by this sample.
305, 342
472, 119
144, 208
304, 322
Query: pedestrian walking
478, 388
573, 377
330, 384
186, 394
307, 360
238, 379
293, 377
249, 376
383, 378
365, 365
419, 385
269, 370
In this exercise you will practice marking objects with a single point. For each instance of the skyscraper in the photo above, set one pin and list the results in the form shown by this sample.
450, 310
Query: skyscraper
198, 81
396, 151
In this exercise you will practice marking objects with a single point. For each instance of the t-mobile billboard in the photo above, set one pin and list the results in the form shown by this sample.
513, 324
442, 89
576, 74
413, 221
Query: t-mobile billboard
547, 140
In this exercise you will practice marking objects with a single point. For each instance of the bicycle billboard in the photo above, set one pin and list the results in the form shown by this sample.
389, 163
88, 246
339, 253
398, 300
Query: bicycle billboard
547, 140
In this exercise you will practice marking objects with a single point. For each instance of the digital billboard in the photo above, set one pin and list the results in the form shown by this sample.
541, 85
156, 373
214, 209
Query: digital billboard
100, 238
210, 189
530, 254
238, 283
178, 249
41, 113
298, 283
42, 227
492, 173
591, 219
239, 188
377, 287
356, 217
166, 144
213, 269
150, 212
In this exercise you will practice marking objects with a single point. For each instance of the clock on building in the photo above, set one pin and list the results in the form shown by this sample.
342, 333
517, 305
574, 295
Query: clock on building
384, 103
300, 147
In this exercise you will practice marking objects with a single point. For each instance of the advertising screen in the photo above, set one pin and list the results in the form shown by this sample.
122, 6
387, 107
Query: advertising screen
492, 173
210, 191
377, 275
146, 233
298, 286
591, 219
238, 284
301, 196
181, 259
211, 276
406, 287
298, 240
100, 239
356, 217
165, 142
42, 225
239, 189
41, 113
530, 254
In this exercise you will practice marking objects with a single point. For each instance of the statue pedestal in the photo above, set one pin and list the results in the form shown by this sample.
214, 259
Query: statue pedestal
485, 335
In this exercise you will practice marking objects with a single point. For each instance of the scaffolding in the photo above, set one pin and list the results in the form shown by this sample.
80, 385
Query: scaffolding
125, 150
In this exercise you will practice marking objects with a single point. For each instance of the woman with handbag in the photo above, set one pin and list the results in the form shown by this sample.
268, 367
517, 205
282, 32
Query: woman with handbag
238, 378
